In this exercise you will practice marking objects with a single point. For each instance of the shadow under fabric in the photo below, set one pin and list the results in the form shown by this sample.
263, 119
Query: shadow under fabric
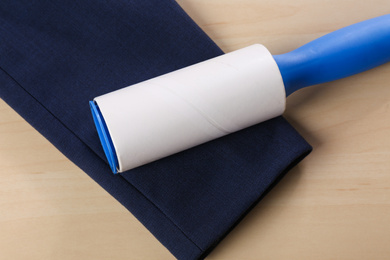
55, 56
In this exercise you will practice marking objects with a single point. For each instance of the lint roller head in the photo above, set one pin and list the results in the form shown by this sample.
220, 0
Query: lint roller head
179, 110
182, 109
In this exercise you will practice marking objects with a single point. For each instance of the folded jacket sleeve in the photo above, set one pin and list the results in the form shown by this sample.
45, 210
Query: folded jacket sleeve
55, 56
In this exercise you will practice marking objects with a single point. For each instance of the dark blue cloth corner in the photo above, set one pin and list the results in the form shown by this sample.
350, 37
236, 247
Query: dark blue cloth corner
55, 56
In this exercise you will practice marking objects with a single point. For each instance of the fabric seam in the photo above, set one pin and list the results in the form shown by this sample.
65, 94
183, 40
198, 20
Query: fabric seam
56, 118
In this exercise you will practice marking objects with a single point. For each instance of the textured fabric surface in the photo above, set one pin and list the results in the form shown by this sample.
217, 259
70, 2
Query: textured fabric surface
55, 56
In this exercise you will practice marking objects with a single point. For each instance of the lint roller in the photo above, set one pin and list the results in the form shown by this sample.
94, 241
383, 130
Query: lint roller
176, 111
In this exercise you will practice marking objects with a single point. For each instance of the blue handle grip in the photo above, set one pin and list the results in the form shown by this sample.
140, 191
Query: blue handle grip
339, 54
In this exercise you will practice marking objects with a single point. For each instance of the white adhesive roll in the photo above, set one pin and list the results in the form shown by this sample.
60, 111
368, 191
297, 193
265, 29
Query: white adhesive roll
185, 108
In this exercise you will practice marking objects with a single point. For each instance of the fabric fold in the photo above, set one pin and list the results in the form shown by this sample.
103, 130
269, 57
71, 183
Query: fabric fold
55, 56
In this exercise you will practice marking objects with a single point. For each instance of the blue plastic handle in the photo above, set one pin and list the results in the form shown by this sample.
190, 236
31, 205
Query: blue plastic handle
339, 54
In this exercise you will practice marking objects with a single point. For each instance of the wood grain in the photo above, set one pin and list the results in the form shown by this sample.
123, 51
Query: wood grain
334, 205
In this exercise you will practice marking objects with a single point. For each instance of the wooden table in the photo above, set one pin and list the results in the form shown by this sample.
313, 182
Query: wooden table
333, 205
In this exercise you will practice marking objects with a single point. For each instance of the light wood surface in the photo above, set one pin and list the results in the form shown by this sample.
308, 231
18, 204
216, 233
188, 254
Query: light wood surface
333, 205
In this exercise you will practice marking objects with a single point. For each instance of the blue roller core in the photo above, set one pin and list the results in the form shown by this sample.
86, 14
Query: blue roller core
105, 137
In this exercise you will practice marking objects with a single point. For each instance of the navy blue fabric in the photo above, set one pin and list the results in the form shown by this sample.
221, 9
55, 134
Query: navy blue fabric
55, 56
